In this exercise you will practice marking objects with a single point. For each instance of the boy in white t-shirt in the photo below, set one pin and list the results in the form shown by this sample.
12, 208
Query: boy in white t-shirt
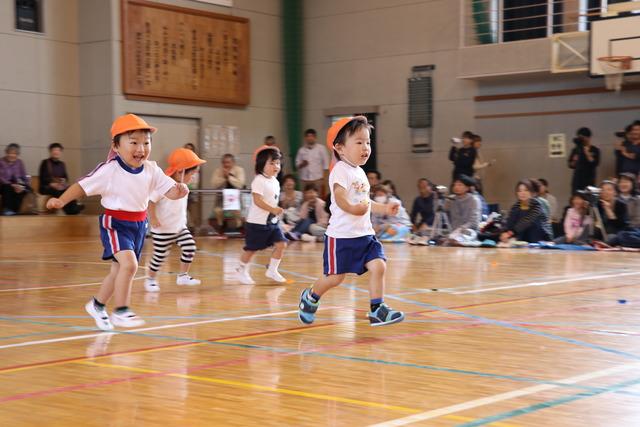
125, 181
168, 220
262, 229
350, 243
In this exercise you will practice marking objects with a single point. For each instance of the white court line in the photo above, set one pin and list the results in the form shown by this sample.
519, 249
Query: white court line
153, 328
447, 410
60, 286
549, 282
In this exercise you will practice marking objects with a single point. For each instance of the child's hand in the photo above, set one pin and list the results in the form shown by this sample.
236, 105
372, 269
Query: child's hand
54, 203
183, 190
392, 208
154, 222
277, 211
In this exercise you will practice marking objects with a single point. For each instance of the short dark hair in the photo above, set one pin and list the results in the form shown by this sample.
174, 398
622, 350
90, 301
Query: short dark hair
289, 176
585, 132
465, 180
376, 173
116, 139
476, 138
269, 137
264, 156
543, 182
349, 129
535, 184
468, 134
12, 146
229, 156
310, 131
631, 177
190, 146
189, 170
55, 145
311, 187
527, 184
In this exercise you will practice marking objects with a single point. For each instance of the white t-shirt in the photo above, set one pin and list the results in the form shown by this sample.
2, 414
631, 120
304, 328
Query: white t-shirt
341, 223
126, 189
318, 159
172, 215
269, 189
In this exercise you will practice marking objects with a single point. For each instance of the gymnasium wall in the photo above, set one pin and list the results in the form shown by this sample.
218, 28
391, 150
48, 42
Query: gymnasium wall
65, 85
361, 54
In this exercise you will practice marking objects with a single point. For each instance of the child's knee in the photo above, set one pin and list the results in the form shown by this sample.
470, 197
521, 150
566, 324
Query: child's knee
377, 266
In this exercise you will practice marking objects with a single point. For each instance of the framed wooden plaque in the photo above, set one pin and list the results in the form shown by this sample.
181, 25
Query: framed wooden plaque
186, 56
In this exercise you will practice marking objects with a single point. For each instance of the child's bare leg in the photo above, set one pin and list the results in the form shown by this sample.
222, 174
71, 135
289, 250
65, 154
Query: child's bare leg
246, 256
106, 289
127, 270
325, 283
278, 250
184, 267
377, 269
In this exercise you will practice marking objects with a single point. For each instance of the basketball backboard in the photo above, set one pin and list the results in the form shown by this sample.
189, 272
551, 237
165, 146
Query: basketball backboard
615, 36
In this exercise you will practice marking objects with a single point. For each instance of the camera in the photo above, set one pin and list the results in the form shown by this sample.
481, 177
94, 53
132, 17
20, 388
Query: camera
456, 141
620, 134
591, 194
441, 190
578, 140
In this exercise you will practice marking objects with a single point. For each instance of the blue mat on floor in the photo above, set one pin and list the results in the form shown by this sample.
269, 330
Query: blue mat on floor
561, 247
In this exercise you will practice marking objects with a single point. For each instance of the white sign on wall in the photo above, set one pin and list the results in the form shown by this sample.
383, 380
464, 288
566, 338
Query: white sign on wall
557, 145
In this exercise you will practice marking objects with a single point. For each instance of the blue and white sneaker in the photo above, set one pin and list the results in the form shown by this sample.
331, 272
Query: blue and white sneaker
307, 308
385, 315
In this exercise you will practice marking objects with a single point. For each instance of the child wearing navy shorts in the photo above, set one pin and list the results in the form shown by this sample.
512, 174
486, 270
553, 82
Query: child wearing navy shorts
262, 229
126, 182
350, 242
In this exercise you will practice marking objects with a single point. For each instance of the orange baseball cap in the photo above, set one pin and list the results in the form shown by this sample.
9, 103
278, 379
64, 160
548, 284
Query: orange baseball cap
182, 158
128, 123
333, 131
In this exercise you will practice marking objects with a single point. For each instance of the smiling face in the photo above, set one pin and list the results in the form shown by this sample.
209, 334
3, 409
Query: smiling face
356, 148
134, 147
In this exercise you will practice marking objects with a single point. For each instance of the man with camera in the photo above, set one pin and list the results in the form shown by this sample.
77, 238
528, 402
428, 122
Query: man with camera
463, 155
584, 160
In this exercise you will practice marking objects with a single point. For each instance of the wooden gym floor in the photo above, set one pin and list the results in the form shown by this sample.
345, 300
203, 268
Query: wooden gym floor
492, 337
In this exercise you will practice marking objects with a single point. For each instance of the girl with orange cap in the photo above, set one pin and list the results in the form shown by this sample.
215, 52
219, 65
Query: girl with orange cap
126, 182
168, 220
350, 242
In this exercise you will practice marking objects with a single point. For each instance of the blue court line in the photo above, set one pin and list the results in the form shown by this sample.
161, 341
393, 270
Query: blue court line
549, 404
349, 358
512, 326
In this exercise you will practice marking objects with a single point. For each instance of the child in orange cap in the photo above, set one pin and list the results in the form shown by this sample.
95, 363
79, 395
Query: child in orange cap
125, 182
350, 242
168, 220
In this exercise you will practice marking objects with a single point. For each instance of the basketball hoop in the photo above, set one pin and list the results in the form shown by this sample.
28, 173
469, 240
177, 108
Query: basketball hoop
613, 68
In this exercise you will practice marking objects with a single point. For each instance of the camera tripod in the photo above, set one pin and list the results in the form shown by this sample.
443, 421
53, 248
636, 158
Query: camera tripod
441, 225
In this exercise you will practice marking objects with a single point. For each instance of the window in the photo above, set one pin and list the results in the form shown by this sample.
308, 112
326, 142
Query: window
29, 15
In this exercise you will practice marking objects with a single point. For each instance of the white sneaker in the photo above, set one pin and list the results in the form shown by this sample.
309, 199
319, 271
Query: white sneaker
275, 275
244, 277
307, 238
185, 279
128, 319
151, 285
100, 316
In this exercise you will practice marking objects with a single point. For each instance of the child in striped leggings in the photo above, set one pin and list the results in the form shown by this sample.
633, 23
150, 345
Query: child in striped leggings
168, 220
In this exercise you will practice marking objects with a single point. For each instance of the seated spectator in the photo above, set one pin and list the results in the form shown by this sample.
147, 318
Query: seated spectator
375, 178
613, 212
54, 179
527, 219
423, 210
577, 224
543, 193
484, 207
388, 227
629, 195
464, 209
228, 176
313, 217
391, 187
14, 182
628, 151
289, 196
193, 200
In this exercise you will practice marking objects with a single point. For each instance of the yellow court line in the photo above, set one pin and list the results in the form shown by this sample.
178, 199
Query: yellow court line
177, 346
261, 388
461, 418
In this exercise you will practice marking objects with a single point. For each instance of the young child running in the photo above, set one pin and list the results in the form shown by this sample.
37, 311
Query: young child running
262, 229
168, 220
350, 243
126, 182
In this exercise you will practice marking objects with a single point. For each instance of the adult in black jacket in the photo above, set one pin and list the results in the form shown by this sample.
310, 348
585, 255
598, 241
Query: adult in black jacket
54, 179
584, 160
463, 156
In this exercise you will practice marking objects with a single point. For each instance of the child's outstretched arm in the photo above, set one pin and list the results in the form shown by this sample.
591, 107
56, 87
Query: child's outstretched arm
178, 191
153, 218
259, 202
72, 193
341, 199
390, 209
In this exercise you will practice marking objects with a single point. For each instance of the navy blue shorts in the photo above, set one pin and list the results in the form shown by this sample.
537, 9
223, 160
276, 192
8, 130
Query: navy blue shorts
260, 236
350, 255
119, 235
